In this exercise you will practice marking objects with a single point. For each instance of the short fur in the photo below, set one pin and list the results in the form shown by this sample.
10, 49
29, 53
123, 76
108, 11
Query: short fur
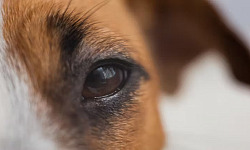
49, 47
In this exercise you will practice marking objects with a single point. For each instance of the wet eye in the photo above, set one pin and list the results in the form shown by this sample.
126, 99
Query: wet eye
105, 80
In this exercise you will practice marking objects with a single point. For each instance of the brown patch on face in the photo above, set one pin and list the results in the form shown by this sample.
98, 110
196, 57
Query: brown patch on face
58, 46
28, 41
28, 38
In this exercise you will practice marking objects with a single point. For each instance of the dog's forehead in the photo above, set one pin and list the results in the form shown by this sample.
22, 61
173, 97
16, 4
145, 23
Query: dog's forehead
29, 19
39, 32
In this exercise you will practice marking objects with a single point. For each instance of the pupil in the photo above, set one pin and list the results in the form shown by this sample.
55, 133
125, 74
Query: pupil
101, 76
103, 81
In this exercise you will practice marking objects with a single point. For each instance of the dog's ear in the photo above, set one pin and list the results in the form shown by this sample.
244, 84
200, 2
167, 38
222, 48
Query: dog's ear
180, 30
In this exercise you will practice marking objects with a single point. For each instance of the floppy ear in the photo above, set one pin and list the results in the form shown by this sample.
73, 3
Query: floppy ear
180, 30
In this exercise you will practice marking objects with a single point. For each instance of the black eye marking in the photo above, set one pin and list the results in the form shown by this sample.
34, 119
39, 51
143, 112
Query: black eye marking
71, 31
71, 26
105, 80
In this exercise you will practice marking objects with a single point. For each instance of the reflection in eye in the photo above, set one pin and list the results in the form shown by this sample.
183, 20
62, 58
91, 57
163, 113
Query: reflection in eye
104, 81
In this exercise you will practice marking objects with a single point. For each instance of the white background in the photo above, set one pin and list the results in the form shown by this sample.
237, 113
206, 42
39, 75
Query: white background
211, 111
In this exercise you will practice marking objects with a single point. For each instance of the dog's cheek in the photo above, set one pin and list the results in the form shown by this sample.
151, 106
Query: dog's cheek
153, 131
138, 124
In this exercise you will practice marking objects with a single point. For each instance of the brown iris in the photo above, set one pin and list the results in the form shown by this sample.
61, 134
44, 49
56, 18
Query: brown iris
104, 81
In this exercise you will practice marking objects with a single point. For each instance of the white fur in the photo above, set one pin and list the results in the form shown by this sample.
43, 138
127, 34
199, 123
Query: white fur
19, 126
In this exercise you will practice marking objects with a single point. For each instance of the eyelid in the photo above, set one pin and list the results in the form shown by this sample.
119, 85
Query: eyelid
120, 98
94, 58
114, 61
127, 63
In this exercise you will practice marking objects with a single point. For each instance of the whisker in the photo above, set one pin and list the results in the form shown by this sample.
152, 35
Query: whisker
67, 8
93, 10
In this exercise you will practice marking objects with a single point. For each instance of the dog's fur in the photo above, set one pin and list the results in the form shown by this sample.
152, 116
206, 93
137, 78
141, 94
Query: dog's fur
47, 48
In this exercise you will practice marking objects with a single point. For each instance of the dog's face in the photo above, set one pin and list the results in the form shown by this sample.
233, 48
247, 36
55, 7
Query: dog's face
75, 79
78, 74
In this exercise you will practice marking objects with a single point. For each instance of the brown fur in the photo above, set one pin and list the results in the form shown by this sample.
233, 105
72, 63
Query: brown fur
37, 47
112, 27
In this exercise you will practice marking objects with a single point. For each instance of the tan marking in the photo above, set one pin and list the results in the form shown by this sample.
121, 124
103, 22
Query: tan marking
28, 40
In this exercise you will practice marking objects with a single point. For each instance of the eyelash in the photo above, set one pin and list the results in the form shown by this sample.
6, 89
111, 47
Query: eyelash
115, 61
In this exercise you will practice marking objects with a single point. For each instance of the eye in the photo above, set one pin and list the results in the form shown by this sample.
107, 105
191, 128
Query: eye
105, 80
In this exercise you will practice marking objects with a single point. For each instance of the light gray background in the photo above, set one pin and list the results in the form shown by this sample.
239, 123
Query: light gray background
211, 111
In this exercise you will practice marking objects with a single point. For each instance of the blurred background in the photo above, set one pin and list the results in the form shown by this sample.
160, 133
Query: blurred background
211, 111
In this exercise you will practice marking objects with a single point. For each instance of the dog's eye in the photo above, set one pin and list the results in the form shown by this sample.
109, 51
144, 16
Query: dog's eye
104, 81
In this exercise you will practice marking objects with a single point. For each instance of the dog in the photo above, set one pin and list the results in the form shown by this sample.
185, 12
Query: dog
86, 74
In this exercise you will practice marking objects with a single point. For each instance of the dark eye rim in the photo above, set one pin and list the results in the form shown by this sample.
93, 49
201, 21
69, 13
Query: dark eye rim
124, 65
113, 61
